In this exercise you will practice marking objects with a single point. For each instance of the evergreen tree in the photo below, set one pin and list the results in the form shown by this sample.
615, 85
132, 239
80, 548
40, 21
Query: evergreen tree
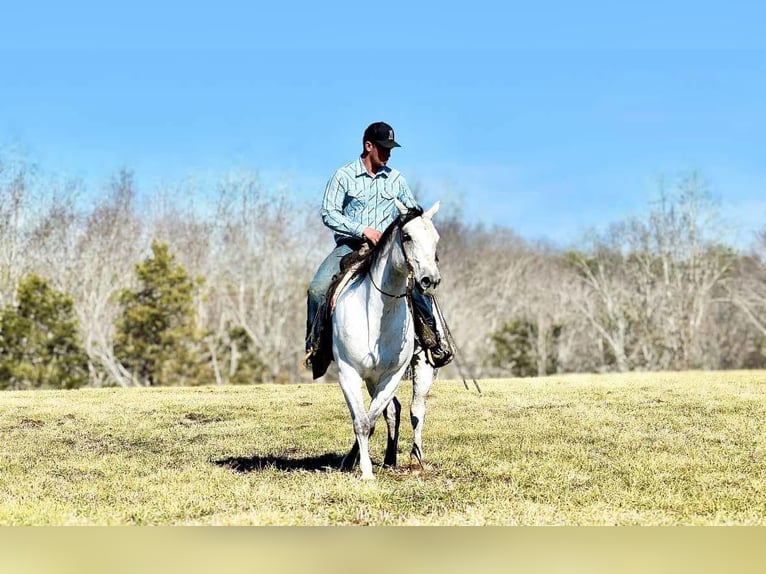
156, 339
39, 343
514, 349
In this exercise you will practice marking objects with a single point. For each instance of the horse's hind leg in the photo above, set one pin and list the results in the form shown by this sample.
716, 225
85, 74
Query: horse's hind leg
351, 459
393, 415
422, 379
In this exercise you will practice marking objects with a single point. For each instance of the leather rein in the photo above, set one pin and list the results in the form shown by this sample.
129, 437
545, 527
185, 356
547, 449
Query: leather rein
410, 274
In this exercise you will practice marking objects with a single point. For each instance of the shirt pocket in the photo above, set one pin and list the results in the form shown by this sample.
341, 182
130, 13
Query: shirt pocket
355, 199
388, 193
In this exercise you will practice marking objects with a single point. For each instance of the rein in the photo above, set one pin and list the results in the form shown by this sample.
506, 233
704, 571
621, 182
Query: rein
407, 292
408, 289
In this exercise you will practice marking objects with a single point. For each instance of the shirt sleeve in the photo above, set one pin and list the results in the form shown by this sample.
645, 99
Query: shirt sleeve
332, 208
405, 194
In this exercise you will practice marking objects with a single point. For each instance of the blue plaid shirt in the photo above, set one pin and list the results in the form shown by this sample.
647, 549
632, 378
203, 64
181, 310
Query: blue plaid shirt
354, 199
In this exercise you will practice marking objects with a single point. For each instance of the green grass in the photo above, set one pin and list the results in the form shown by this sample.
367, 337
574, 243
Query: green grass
667, 448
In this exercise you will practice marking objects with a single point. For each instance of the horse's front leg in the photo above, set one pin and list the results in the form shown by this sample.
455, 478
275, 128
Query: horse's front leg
393, 414
422, 379
351, 385
352, 457
384, 401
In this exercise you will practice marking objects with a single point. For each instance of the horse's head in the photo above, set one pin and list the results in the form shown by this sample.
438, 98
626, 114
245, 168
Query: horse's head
419, 239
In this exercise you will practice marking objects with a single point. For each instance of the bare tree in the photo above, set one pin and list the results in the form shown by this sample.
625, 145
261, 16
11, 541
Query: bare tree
658, 291
108, 248
16, 182
654, 280
482, 272
548, 292
265, 265
682, 265
747, 289
608, 304
250, 246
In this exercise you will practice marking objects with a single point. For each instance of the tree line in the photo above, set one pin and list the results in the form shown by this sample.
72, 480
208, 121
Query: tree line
195, 284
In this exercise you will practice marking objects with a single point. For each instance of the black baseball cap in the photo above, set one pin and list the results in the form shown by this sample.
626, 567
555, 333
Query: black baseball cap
382, 134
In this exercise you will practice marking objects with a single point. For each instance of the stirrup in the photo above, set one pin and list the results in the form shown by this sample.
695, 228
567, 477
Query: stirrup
439, 360
306, 361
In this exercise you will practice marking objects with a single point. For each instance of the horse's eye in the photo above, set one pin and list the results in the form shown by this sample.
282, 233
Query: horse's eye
436, 256
406, 237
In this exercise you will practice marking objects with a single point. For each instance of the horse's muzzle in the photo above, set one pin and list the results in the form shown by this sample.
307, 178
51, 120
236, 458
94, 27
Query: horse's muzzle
427, 284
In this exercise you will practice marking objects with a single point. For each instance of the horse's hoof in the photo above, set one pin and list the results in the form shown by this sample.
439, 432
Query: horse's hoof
417, 467
368, 477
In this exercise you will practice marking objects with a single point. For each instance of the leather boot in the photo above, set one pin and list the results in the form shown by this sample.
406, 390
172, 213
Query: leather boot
439, 355
438, 352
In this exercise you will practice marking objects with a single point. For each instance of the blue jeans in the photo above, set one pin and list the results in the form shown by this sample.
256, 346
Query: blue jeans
317, 293
318, 289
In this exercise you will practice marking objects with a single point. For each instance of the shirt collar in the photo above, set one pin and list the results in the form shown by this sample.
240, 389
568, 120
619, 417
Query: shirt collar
361, 170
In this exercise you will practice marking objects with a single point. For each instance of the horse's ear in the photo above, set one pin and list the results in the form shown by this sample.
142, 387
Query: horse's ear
400, 206
431, 212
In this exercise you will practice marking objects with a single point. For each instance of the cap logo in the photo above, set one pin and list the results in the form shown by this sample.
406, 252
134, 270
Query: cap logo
390, 134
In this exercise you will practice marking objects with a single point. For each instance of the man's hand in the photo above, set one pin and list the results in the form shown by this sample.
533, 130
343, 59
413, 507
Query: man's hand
372, 235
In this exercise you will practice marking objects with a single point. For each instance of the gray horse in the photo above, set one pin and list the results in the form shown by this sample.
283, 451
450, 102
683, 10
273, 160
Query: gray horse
374, 337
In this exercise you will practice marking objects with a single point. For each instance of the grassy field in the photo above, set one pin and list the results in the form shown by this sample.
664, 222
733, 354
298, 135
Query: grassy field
665, 448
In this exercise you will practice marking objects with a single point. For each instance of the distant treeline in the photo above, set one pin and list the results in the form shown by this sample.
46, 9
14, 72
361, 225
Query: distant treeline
207, 286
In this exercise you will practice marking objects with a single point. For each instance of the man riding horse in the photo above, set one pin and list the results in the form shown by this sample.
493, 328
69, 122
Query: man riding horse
358, 205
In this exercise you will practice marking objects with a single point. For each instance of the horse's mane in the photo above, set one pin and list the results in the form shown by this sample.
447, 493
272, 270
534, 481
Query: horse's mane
364, 260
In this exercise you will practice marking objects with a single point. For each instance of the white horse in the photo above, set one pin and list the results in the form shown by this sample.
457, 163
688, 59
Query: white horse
374, 336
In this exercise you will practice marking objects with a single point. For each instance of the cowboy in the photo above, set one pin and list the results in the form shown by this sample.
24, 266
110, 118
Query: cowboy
358, 205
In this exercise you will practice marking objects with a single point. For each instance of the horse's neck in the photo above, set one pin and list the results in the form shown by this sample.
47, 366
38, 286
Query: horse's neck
389, 269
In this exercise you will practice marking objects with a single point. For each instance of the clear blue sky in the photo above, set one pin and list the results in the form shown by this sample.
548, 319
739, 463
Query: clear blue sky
547, 119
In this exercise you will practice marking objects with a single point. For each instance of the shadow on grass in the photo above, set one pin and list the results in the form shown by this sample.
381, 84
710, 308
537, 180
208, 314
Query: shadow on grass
329, 462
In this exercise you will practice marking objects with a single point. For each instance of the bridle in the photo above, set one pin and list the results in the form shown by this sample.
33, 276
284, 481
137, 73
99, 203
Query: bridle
410, 275
401, 221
